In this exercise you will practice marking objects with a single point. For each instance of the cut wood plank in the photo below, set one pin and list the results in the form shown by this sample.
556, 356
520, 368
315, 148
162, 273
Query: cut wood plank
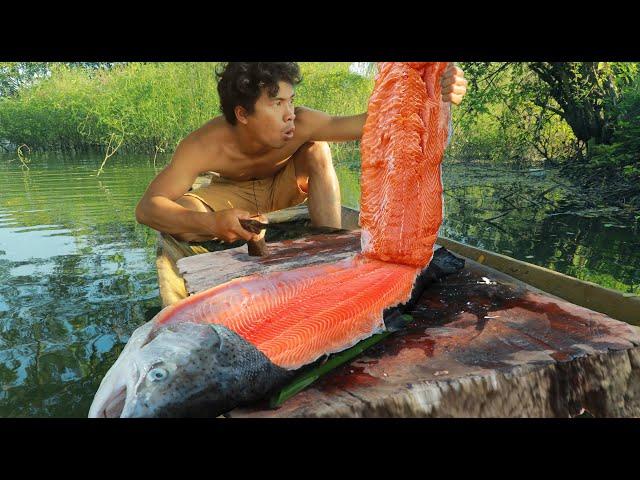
619, 305
204, 271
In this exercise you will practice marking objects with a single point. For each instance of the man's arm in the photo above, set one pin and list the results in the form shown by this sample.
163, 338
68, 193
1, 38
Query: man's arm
324, 127
158, 208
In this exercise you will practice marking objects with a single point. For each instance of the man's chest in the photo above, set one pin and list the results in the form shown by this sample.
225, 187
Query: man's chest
261, 166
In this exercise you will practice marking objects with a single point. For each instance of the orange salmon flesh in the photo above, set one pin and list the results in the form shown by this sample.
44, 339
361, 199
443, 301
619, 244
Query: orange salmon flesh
295, 317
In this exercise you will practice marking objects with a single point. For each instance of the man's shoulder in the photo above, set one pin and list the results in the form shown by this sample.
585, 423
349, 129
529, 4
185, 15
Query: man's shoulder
307, 119
202, 144
204, 137
190, 145
306, 112
209, 130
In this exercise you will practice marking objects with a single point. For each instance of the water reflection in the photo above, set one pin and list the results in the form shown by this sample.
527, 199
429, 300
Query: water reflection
78, 277
525, 216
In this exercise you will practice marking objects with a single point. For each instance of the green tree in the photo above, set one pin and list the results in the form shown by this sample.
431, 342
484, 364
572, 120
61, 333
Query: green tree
588, 94
15, 75
585, 95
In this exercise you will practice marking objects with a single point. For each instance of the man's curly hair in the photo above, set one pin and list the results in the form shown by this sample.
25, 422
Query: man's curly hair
241, 83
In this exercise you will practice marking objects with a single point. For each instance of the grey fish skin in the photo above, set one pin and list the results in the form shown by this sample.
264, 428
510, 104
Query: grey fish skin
187, 370
442, 264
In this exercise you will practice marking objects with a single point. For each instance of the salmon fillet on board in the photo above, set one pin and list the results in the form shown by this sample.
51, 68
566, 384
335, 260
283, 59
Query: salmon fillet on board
403, 142
231, 344
296, 316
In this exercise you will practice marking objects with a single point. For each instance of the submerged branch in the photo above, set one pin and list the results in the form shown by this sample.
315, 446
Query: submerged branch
23, 159
109, 154
503, 214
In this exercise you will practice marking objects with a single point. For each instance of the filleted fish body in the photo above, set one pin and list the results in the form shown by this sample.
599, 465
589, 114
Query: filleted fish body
296, 316
231, 344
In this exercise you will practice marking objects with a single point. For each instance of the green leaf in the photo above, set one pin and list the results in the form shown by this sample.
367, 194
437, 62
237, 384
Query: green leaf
307, 378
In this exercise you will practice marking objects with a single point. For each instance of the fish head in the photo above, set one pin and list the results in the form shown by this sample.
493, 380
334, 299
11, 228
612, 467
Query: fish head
183, 369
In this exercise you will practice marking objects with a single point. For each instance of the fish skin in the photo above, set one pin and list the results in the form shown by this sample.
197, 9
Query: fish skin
209, 370
442, 264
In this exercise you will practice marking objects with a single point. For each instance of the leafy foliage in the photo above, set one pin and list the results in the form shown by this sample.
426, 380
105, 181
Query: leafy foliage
624, 151
580, 115
15, 75
501, 119
560, 110
147, 106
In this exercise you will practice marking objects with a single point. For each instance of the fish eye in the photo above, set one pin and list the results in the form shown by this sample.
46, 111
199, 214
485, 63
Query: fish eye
157, 374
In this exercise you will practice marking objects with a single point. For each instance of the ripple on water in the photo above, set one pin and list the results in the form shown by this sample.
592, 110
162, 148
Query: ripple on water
78, 277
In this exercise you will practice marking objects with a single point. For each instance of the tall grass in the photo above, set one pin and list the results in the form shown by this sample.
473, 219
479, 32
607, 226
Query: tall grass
148, 107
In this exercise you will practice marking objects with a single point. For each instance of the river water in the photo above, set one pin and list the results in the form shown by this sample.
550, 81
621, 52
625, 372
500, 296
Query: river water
78, 273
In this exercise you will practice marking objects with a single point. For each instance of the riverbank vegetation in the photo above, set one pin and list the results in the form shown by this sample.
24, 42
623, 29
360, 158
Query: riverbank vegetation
582, 117
144, 107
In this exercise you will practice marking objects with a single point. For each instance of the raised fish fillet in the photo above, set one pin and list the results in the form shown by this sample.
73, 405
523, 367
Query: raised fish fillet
403, 143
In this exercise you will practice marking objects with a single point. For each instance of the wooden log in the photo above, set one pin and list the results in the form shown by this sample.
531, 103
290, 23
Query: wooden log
619, 305
483, 344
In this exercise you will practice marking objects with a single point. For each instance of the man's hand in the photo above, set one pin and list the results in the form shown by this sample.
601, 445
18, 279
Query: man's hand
454, 85
228, 229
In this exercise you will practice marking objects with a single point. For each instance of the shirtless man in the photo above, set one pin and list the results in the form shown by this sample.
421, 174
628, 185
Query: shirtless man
269, 155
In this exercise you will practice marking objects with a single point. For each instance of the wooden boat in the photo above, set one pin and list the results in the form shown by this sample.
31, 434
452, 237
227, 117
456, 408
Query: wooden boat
550, 345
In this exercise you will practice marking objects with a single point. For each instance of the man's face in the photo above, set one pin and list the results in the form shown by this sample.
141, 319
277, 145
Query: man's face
273, 119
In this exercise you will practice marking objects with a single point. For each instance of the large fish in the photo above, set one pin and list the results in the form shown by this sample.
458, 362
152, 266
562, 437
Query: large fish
193, 368
234, 343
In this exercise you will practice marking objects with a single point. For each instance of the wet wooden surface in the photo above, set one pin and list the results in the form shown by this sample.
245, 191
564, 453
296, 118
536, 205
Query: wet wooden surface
478, 349
482, 344
210, 269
